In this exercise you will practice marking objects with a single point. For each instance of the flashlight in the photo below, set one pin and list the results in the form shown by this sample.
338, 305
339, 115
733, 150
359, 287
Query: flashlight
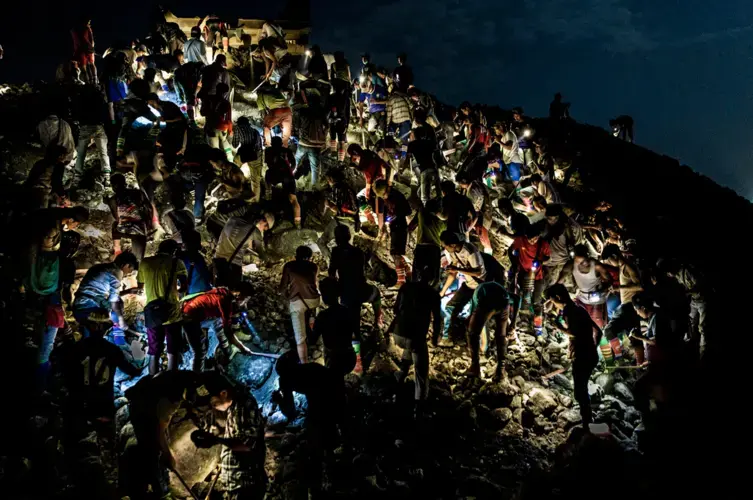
527, 132
362, 78
535, 265
572, 254
308, 53
515, 252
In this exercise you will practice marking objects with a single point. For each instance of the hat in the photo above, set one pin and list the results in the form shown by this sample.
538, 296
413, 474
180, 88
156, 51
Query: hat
517, 110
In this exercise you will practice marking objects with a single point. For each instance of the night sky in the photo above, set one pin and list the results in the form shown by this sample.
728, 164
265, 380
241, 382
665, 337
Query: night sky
683, 69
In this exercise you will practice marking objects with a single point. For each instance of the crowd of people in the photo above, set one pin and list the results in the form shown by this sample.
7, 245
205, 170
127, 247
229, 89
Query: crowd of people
450, 197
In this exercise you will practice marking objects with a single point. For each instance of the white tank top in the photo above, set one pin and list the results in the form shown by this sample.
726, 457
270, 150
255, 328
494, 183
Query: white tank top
587, 284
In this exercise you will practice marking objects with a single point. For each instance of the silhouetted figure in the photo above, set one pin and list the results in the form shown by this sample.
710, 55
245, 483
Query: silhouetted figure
622, 128
559, 110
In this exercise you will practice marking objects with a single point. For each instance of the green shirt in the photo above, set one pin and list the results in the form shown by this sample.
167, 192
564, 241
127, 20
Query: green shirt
490, 296
271, 100
429, 228
154, 273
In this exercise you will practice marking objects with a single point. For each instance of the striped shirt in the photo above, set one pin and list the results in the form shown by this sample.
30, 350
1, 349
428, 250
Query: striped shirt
243, 469
399, 108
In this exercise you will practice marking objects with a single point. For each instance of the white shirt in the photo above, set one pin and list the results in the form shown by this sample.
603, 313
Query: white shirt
53, 130
468, 257
511, 155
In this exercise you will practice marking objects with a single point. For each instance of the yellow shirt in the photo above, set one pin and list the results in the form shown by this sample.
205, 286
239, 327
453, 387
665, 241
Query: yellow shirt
154, 273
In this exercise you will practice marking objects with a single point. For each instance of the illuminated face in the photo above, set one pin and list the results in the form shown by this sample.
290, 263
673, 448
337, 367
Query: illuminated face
355, 158
580, 261
533, 239
517, 117
552, 220
641, 311
127, 270
221, 402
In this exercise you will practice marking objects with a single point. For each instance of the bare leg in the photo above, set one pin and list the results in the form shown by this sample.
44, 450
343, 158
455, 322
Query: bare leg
303, 353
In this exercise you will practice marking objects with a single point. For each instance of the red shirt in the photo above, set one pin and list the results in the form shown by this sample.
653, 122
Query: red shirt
371, 167
216, 303
528, 252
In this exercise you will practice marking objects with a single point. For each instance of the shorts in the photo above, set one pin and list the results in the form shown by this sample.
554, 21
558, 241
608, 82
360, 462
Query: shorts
398, 238
338, 131
157, 337
288, 181
513, 170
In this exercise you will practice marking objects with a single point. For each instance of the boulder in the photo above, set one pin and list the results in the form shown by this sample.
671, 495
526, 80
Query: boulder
606, 381
595, 392
122, 416
192, 463
623, 392
569, 418
542, 401
501, 416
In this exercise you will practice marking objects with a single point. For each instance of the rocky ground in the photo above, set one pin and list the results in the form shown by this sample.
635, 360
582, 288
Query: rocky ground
480, 439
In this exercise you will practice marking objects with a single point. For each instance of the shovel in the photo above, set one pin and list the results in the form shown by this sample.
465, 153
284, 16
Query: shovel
214, 481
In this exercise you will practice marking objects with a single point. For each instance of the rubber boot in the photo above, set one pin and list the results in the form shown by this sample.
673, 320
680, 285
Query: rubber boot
606, 351
616, 346
538, 325
358, 369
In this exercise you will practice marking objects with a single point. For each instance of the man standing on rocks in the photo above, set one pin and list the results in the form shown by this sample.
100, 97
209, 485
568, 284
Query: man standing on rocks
464, 259
490, 300
347, 264
134, 216
530, 253
92, 115
593, 282
341, 202
395, 212
428, 251
280, 167
563, 234
159, 276
335, 328
417, 304
584, 336
298, 286
625, 320
695, 288
242, 474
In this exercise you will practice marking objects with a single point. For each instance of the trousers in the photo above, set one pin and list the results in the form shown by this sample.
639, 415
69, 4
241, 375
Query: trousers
88, 134
416, 352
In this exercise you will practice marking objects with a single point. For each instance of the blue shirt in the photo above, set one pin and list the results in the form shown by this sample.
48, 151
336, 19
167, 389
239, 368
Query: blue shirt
201, 278
99, 288
379, 94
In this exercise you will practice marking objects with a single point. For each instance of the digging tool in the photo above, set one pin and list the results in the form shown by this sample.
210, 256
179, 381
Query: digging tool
214, 481
552, 374
185, 485
265, 355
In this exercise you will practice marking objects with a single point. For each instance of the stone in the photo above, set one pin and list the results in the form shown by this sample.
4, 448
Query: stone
570, 417
122, 416
565, 401
517, 401
562, 381
595, 392
119, 402
192, 463
542, 401
623, 392
501, 416
606, 381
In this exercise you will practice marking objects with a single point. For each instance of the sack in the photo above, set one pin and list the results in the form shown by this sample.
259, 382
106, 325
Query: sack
158, 312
